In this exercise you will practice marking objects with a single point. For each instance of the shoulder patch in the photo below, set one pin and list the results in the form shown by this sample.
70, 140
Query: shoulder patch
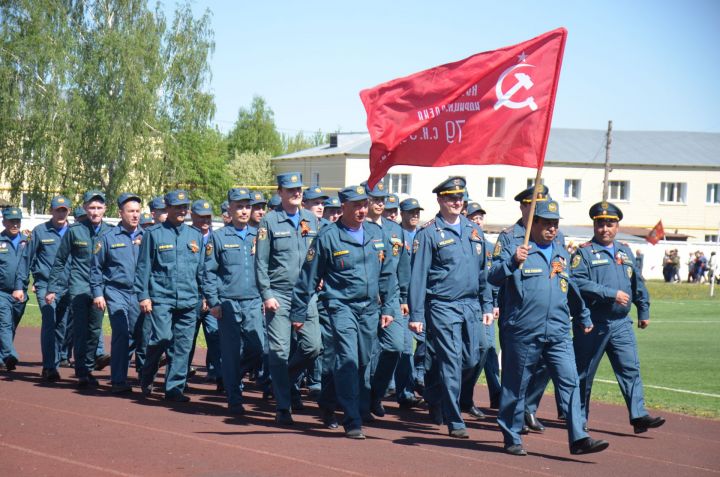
429, 223
576, 261
586, 244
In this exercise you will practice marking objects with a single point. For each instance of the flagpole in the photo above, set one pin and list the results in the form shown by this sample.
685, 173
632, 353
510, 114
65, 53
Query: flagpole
538, 188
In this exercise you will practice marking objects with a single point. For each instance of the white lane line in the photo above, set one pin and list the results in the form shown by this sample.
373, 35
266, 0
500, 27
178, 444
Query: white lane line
66, 460
663, 388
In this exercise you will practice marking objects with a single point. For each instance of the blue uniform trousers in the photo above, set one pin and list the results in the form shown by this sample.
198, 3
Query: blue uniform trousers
617, 339
171, 332
390, 344
453, 340
327, 398
536, 390
87, 328
53, 328
467, 387
492, 365
241, 343
126, 326
284, 366
519, 360
68, 340
11, 311
420, 358
404, 372
213, 361
354, 327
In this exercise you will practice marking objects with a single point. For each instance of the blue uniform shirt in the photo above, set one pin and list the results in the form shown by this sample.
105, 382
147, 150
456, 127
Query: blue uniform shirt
10, 258
76, 246
600, 274
114, 260
399, 256
448, 266
281, 250
351, 271
39, 256
170, 265
539, 297
230, 265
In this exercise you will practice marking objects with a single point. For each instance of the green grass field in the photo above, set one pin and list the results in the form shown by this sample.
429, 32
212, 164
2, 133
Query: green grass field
679, 350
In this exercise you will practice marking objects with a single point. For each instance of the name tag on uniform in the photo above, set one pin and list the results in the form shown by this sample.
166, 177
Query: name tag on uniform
165, 247
4, 249
47, 241
379, 245
78, 243
284, 233
446, 242
341, 252
231, 245
532, 271
118, 245
602, 261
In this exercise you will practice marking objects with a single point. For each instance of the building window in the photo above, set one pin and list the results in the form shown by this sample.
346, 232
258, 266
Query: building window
398, 183
713, 194
619, 190
572, 189
531, 182
673, 192
496, 187
711, 238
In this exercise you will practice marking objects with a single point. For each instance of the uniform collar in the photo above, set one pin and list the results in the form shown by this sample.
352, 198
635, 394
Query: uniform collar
441, 224
519, 229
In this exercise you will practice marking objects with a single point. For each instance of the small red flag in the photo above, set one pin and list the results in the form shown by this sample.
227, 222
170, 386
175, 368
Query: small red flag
491, 108
656, 234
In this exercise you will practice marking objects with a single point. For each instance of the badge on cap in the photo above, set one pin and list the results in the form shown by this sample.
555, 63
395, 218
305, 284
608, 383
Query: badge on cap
61, 200
552, 207
380, 186
360, 190
456, 182
206, 205
181, 195
293, 179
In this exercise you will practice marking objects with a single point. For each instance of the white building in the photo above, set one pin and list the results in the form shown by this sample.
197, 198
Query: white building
668, 176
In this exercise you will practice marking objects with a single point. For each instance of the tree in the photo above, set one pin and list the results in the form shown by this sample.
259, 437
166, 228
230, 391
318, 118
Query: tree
255, 131
251, 169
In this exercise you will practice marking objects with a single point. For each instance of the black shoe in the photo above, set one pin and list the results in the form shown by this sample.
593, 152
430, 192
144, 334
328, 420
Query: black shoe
588, 445
356, 434
101, 362
284, 418
297, 405
515, 449
368, 418
561, 417
419, 387
378, 409
146, 390
11, 363
163, 362
328, 418
220, 386
389, 393
191, 372
585, 428
525, 430
50, 375
475, 412
642, 424
237, 410
120, 388
410, 403
533, 423
436, 415
87, 381
459, 433
495, 402
65, 364
177, 397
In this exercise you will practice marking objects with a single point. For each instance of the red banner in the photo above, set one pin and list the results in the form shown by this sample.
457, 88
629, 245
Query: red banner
656, 234
492, 108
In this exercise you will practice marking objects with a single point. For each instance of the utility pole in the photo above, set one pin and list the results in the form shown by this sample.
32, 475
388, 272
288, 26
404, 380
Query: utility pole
606, 182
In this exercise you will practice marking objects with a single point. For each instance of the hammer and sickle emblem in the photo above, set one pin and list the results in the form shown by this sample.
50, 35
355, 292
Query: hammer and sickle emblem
523, 82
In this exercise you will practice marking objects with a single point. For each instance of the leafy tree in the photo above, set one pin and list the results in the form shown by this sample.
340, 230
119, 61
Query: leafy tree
255, 131
251, 169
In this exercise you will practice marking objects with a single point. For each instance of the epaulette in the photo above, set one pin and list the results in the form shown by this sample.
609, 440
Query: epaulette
508, 230
153, 227
586, 244
428, 223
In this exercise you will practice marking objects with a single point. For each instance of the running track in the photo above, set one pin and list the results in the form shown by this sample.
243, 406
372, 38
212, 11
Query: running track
56, 430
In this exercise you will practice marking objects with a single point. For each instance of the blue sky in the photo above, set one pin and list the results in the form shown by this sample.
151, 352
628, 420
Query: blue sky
647, 65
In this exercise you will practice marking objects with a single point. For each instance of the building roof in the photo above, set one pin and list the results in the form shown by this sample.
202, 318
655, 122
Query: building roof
580, 146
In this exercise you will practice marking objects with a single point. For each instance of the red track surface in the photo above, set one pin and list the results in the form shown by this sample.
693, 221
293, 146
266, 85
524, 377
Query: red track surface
57, 430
